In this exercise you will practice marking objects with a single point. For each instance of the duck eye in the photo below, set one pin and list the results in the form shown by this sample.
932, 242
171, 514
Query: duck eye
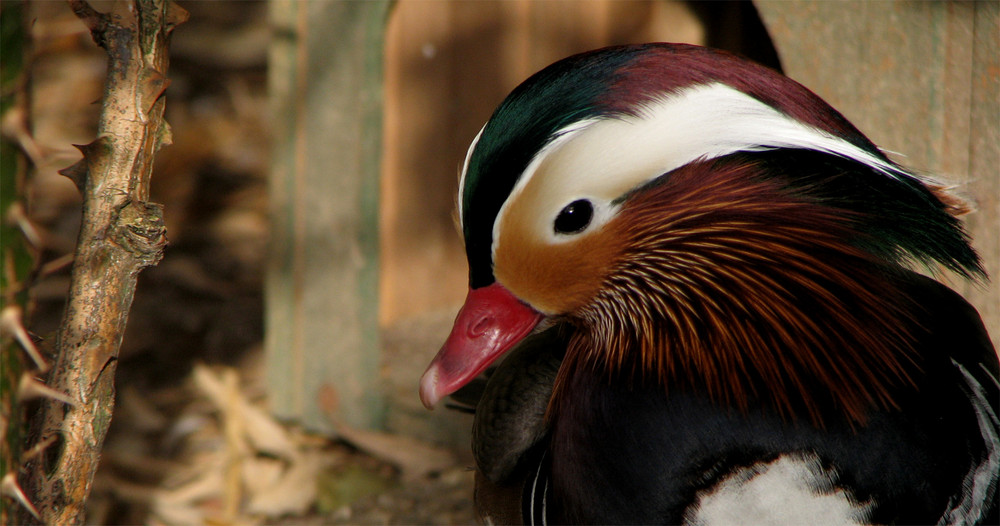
574, 217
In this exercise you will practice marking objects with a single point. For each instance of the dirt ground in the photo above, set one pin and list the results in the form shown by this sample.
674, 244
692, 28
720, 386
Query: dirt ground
191, 440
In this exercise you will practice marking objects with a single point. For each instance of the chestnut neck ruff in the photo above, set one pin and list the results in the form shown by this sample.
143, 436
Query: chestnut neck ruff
735, 286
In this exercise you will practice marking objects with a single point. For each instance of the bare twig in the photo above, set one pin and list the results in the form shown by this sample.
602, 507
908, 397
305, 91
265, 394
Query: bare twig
121, 233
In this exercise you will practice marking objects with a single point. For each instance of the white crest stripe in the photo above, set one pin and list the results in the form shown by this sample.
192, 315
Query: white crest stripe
562, 136
605, 157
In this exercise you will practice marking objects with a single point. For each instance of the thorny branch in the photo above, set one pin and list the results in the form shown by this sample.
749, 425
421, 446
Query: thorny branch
121, 233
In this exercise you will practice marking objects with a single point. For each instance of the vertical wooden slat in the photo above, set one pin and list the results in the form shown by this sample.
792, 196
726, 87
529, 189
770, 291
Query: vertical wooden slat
321, 321
984, 157
919, 78
419, 265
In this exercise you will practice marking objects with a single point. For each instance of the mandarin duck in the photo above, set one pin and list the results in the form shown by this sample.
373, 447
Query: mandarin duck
703, 281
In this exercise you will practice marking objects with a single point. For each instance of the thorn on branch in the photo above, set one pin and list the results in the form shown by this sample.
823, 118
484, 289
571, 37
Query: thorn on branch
17, 216
94, 149
56, 265
11, 325
165, 135
14, 126
95, 21
11, 489
92, 152
174, 16
77, 173
152, 84
30, 388
39, 448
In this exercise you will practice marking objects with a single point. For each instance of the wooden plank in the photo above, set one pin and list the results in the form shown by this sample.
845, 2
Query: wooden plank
984, 157
919, 78
321, 287
423, 264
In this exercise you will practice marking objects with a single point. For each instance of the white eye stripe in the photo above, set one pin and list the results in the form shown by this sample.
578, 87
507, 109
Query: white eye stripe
603, 158
562, 136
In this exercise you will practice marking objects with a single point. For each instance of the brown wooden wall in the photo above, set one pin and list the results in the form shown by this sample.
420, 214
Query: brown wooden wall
921, 78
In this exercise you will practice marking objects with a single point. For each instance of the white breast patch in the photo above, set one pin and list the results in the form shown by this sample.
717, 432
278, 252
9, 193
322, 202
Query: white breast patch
789, 490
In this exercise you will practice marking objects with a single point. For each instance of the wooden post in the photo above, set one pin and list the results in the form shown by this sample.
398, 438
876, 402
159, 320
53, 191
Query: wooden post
322, 283
921, 79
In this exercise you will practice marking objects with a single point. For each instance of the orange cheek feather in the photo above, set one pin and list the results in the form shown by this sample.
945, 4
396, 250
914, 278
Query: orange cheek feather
556, 278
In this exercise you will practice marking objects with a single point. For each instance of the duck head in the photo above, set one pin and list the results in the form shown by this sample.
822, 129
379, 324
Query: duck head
701, 221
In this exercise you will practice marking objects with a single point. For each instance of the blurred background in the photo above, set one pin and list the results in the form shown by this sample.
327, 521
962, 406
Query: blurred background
264, 380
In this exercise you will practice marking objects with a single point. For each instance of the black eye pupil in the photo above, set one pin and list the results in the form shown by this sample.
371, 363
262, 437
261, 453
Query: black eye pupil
574, 217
